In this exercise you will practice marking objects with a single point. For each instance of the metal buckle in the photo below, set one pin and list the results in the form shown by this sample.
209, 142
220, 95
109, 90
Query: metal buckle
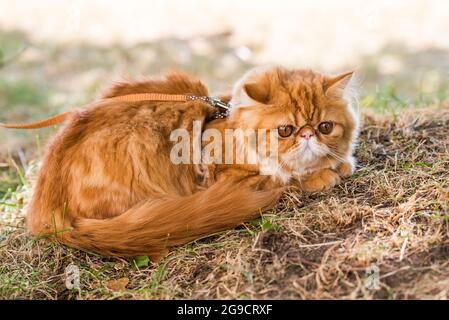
216, 102
223, 108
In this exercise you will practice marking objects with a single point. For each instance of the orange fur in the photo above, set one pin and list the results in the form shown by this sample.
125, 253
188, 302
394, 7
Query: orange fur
107, 183
304, 99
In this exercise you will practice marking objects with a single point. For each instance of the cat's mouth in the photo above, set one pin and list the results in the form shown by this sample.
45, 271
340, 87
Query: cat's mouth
308, 153
311, 148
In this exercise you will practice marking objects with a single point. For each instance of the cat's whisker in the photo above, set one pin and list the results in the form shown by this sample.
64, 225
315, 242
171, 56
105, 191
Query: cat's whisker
336, 156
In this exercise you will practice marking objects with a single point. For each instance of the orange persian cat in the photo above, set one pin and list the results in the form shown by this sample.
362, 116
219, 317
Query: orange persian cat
107, 183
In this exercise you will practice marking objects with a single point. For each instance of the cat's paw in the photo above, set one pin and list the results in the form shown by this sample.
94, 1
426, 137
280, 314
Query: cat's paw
320, 180
345, 169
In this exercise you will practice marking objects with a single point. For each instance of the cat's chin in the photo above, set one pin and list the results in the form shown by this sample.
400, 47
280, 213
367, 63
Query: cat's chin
303, 159
307, 159
304, 163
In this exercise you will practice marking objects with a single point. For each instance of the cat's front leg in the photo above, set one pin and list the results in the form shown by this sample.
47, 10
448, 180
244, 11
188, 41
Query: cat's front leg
327, 178
319, 180
346, 169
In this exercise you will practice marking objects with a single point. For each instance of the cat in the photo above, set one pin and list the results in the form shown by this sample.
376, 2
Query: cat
107, 183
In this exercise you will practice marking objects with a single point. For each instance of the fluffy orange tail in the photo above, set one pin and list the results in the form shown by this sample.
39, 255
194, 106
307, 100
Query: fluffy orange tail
153, 226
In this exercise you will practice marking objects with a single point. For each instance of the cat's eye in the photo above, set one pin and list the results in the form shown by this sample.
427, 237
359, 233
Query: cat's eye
326, 127
286, 131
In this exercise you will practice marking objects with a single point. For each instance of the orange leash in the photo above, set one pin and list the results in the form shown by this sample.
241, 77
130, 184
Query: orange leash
38, 124
125, 98
152, 97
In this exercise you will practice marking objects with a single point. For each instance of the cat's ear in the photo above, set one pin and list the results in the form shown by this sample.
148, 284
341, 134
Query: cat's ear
338, 83
253, 88
344, 86
258, 91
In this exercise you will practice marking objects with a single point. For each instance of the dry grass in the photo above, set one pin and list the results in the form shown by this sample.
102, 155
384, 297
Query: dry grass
393, 213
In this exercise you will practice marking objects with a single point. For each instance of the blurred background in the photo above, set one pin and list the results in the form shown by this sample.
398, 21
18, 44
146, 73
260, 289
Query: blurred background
57, 55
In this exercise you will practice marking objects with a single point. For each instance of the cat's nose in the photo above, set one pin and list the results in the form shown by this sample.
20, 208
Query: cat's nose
307, 134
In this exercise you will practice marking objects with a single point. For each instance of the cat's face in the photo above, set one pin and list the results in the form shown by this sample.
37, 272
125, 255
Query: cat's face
315, 124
